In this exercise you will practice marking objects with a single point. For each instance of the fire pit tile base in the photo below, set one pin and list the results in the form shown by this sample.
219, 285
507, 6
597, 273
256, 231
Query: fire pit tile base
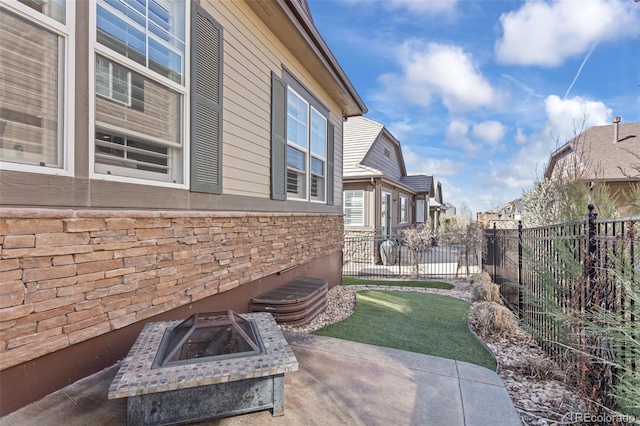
206, 402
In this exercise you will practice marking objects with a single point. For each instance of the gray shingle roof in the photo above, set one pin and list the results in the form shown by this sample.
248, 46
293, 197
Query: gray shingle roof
602, 157
420, 183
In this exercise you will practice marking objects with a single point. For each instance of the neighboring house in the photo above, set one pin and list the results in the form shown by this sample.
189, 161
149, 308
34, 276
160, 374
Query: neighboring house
379, 197
157, 158
449, 212
608, 154
436, 206
504, 216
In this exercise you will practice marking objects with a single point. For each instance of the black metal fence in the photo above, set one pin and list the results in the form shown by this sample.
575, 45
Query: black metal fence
587, 269
392, 257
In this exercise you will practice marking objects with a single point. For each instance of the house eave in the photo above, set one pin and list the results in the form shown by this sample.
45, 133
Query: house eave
381, 179
293, 27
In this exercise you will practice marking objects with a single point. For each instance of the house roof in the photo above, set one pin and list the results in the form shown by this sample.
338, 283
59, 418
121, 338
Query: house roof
292, 24
360, 134
420, 183
602, 158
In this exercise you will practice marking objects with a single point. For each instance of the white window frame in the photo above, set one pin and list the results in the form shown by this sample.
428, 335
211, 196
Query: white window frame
308, 151
420, 216
404, 209
66, 103
362, 209
312, 155
98, 49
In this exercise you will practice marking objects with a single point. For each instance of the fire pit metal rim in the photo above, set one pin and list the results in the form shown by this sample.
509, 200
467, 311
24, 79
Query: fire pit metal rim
136, 376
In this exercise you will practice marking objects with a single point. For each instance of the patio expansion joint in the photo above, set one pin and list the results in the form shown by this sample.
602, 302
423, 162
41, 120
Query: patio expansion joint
464, 415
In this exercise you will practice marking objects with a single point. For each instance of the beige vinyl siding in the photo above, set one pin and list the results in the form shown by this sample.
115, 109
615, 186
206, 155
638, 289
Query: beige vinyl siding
337, 165
376, 158
251, 51
570, 165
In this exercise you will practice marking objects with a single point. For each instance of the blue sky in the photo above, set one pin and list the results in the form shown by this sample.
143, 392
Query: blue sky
479, 93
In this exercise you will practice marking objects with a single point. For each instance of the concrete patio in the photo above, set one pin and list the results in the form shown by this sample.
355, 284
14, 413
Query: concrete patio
337, 383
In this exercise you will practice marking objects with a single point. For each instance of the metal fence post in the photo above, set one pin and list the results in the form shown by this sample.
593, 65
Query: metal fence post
495, 252
520, 292
590, 261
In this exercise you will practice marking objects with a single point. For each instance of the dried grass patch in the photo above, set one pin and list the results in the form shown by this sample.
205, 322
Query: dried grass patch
490, 318
480, 278
486, 292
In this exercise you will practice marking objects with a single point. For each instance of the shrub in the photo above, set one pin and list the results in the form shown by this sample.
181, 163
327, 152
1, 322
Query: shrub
489, 318
483, 277
486, 292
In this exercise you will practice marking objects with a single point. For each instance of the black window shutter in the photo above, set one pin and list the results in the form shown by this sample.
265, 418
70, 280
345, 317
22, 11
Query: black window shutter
330, 166
278, 138
206, 102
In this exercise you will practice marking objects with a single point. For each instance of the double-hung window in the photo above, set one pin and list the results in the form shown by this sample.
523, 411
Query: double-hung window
404, 209
297, 145
302, 143
35, 67
306, 150
354, 208
318, 156
140, 89
420, 211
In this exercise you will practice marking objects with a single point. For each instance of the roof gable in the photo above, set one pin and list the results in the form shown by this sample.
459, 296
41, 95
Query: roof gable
369, 148
359, 133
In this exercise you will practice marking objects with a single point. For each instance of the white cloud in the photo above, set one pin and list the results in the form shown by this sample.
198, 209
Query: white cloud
458, 135
569, 117
490, 132
545, 33
520, 137
486, 133
433, 70
421, 7
565, 119
416, 163
401, 129
428, 7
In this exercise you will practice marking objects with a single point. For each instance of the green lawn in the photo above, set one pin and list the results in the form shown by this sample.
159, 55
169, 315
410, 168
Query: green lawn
417, 322
425, 284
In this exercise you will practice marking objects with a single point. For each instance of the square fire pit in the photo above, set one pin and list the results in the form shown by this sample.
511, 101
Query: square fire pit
205, 367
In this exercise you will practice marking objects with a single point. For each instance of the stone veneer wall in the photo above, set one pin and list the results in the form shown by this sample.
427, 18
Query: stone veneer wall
69, 275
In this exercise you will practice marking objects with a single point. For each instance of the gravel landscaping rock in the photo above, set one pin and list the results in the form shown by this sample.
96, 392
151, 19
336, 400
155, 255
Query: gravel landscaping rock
536, 385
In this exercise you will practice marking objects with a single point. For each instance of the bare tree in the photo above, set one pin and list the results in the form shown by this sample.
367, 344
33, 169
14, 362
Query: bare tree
418, 240
465, 233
